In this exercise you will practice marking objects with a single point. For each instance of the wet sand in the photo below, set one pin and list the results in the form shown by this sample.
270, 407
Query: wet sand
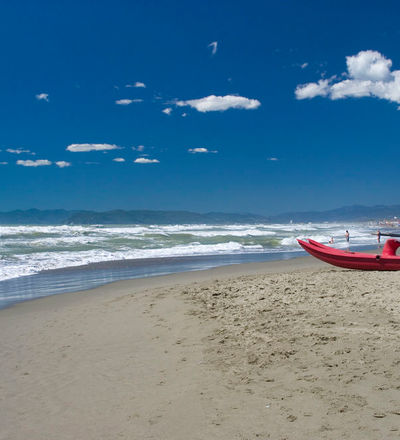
283, 350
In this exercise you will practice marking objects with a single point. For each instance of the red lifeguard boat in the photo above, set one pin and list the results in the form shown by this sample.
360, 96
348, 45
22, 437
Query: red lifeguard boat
388, 260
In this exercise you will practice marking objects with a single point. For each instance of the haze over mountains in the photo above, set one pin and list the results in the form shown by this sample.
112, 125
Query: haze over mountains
60, 216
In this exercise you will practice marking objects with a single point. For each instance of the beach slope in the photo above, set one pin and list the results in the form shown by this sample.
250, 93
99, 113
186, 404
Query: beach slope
283, 350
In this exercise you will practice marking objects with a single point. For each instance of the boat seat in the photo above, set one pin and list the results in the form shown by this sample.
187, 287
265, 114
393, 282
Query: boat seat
390, 248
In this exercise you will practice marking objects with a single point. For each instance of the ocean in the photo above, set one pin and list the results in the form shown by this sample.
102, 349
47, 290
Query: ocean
37, 261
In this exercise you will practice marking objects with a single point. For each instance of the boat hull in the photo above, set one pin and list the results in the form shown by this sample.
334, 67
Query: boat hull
350, 260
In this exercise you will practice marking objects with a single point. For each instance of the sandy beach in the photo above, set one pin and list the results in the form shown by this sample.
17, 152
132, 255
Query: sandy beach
283, 350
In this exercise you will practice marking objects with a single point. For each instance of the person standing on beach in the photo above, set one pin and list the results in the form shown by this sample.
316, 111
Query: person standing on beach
378, 237
347, 235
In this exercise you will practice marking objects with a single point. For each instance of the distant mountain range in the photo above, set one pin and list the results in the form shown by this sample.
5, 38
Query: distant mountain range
60, 216
346, 213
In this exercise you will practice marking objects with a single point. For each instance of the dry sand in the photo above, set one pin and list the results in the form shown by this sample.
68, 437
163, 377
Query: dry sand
285, 350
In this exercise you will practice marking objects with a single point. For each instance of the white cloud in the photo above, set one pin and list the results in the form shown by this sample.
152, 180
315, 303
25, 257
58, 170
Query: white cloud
348, 87
124, 101
273, 159
145, 160
184, 115
34, 163
119, 159
19, 151
138, 148
91, 147
201, 150
63, 164
137, 84
214, 47
3, 163
167, 110
368, 75
127, 101
214, 103
42, 97
369, 65
304, 65
311, 90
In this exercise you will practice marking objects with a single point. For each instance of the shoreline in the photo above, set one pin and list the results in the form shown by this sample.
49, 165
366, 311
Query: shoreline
177, 278
86, 277
263, 256
293, 349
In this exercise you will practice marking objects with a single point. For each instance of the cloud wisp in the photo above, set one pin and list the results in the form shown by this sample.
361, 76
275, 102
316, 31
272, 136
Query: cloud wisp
127, 101
368, 74
83, 148
63, 164
201, 150
19, 151
167, 111
138, 148
214, 103
34, 163
145, 160
119, 159
42, 97
123, 101
137, 84
214, 47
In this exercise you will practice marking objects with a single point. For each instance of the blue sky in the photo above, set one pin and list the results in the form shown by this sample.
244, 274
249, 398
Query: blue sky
312, 85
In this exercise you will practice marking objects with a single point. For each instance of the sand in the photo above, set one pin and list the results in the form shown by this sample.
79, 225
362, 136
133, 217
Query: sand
283, 350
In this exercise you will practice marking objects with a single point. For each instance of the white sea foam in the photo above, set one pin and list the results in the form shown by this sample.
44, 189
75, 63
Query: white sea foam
28, 264
26, 250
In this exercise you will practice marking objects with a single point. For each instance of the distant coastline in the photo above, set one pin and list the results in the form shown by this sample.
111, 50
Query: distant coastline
117, 217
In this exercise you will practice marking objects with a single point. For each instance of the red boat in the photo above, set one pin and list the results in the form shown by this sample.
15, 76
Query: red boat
355, 260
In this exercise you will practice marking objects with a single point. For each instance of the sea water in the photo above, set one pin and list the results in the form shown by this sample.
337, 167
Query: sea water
31, 256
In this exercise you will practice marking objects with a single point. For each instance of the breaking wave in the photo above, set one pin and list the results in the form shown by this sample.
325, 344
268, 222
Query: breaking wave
26, 250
